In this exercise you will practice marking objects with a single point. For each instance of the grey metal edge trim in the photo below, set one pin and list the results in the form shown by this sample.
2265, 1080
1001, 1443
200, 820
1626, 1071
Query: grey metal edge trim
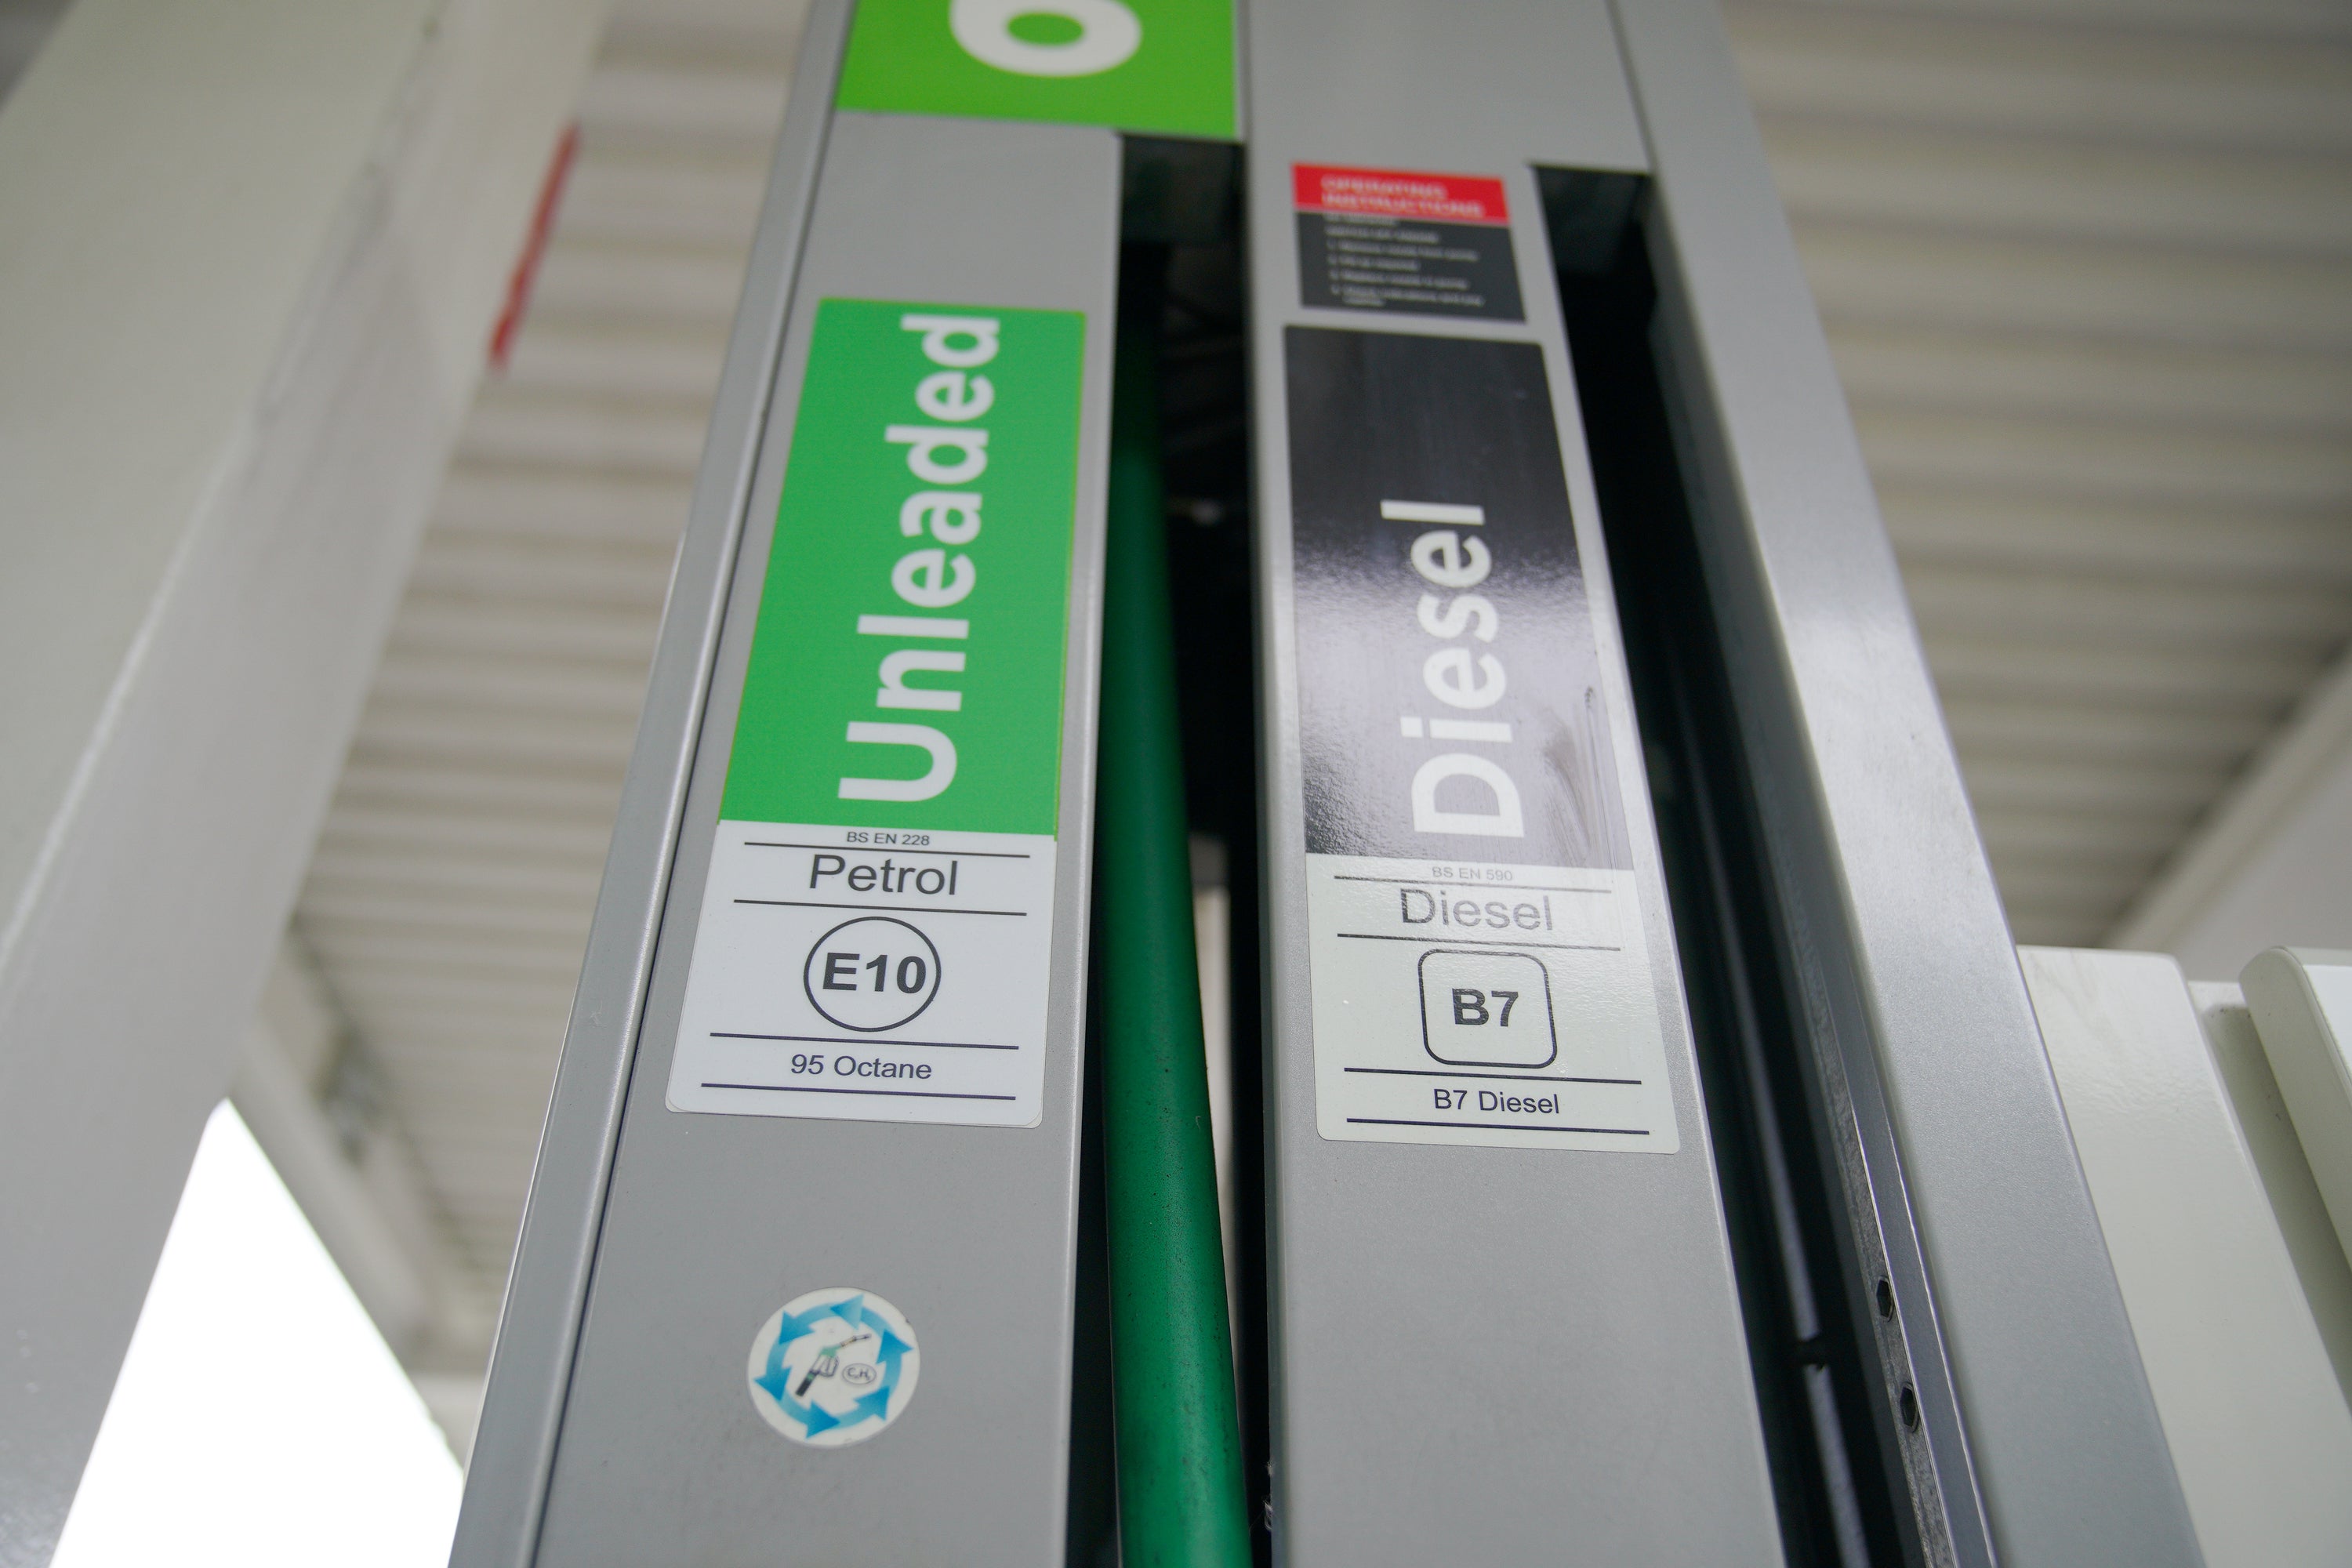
1882, 867
530, 1359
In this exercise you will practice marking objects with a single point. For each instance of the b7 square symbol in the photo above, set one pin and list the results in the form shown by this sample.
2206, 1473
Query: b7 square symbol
1487, 1009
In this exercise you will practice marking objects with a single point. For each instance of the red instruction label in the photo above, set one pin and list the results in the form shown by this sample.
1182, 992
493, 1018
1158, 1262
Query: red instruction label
1392, 240
1393, 192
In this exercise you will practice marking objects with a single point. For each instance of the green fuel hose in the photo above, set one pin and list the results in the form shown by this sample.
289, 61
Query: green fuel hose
1180, 1503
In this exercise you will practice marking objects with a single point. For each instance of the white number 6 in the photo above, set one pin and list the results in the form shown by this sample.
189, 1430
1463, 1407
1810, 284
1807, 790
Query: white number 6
1108, 35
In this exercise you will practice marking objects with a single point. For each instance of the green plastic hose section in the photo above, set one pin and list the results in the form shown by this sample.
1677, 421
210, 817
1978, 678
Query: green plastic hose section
1180, 1477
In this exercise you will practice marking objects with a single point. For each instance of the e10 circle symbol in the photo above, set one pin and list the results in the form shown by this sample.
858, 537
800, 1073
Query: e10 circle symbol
871, 973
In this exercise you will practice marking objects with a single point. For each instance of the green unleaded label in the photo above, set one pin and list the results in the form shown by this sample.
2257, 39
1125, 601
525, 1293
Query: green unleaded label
906, 666
1152, 66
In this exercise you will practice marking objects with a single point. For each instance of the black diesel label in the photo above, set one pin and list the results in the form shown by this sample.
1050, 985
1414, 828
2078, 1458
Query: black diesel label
1452, 697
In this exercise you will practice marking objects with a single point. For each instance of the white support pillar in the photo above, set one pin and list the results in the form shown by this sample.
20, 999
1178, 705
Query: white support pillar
250, 251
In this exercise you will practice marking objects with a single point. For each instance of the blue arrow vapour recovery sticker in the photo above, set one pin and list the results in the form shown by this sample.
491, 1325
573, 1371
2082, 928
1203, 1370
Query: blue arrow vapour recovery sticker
833, 1367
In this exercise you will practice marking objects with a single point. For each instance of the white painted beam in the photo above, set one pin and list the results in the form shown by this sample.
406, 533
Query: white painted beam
2301, 998
2296, 1207
249, 256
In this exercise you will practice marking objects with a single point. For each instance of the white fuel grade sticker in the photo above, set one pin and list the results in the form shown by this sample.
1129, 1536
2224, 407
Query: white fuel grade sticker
1480, 971
869, 974
1467, 1002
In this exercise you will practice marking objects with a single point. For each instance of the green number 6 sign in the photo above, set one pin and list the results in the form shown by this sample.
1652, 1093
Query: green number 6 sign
1163, 66
1046, 37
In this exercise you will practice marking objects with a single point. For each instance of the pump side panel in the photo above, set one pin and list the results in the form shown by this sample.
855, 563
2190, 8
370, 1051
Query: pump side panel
1506, 1333
721, 1212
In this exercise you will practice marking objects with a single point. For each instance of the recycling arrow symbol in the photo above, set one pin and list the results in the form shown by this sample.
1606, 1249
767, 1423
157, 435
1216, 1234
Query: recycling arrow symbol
801, 1355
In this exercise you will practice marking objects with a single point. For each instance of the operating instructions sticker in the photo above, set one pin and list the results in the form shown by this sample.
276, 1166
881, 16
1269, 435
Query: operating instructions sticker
1479, 965
1404, 243
876, 940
